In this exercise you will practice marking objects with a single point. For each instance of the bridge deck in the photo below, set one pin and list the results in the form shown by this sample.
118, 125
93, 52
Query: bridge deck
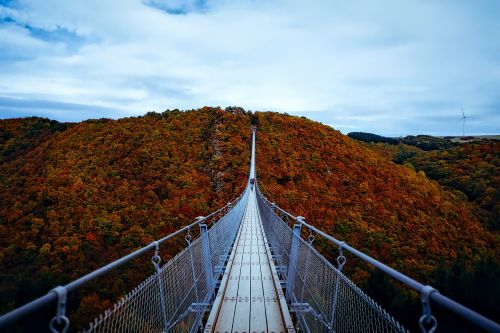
250, 298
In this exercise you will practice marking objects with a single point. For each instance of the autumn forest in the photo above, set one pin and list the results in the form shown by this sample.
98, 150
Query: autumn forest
75, 196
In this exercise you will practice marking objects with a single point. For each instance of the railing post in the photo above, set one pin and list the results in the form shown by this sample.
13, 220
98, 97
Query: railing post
310, 240
193, 271
207, 260
292, 264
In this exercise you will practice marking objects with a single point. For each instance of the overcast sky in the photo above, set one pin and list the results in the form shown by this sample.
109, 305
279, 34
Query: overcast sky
388, 67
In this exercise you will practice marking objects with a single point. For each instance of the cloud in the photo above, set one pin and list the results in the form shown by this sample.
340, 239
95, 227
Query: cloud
382, 66
54, 109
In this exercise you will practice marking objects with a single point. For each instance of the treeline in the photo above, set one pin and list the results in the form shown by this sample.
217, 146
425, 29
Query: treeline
370, 137
424, 142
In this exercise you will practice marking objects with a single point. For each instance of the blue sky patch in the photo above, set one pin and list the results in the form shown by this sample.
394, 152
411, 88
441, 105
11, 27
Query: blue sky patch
181, 7
8, 3
58, 35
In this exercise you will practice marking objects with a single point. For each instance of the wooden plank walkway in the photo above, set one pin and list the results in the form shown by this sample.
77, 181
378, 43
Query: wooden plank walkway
250, 298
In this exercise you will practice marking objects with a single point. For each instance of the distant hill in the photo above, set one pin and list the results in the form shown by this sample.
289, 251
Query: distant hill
424, 142
369, 137
472, 138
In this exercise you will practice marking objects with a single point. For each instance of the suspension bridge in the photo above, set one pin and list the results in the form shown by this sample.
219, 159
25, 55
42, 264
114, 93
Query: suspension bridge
252, 268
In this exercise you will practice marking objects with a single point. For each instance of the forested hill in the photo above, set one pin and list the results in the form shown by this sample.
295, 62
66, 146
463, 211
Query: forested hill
358, 195
389, 211
76, 196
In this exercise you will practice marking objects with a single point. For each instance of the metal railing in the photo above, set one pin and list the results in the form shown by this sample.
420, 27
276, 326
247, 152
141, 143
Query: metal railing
174, 298
324, 299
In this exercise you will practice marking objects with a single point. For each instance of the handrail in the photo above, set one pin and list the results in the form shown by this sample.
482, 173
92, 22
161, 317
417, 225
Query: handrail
42, 301
476, 318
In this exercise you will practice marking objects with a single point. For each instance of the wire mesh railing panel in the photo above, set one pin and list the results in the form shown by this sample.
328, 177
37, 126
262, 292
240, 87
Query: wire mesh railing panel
175, 298
279, 235
222, 235
138, 311
217, 236
321, 296
141, 310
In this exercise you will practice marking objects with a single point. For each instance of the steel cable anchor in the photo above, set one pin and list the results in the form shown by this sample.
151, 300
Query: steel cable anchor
60, 317
156, 259
188, 237
427, 317
311, 237
341, 259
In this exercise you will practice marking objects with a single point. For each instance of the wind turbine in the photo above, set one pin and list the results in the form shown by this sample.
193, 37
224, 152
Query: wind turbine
463, 121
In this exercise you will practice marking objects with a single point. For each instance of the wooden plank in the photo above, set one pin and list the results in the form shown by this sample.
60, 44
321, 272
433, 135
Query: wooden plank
225, 316
219, 302
274, 317
258, 320
241, 322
